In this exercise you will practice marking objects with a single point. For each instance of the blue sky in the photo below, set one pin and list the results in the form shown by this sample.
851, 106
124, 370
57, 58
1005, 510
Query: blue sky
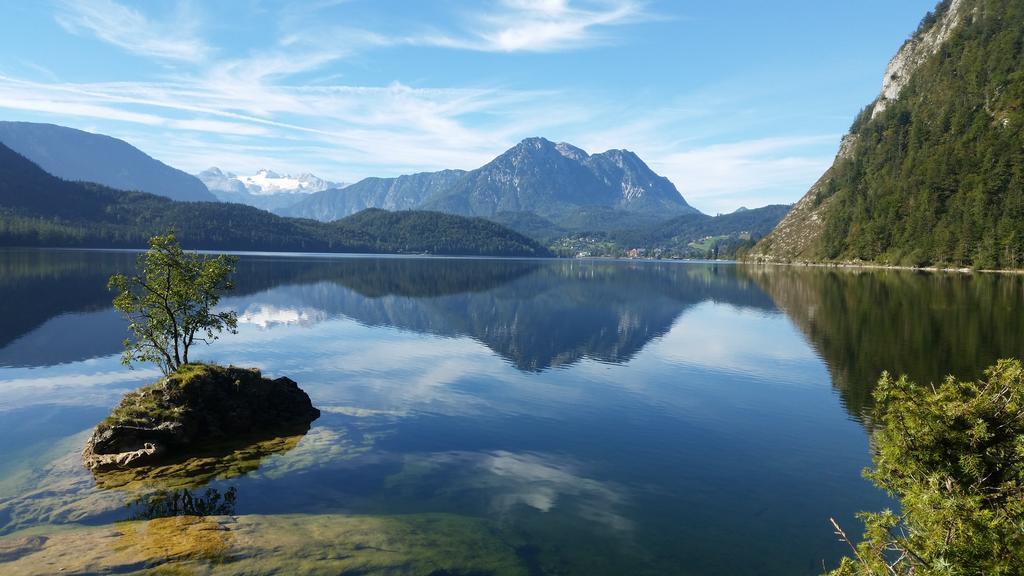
738, 102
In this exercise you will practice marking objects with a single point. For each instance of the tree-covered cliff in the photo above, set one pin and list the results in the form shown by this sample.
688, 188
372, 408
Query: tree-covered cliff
932, 172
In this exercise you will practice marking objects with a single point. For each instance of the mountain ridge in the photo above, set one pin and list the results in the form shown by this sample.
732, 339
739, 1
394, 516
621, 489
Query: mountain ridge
536, 175
404, 192
77, 155
39, 209
265, 182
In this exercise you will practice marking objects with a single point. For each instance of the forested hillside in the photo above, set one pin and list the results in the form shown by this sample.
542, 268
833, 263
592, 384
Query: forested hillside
932, 172
37, 209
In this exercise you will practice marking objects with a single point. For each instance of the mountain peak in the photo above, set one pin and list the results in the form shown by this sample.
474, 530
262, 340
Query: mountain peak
571, 152
214, 172
555, 181
264, 182
536, 142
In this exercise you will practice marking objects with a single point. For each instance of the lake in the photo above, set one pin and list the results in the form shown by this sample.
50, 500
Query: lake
487, 416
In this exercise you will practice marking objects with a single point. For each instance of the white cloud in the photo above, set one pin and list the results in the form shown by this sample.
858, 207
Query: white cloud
172, 38
264, 108
359, 129
722, 177
539, 26
349, 132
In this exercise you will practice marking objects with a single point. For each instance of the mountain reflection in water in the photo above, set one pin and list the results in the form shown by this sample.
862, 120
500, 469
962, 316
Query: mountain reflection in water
536, 314
546, 314
570, 417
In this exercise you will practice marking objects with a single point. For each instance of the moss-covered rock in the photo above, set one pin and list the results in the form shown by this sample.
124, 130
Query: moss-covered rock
193, 408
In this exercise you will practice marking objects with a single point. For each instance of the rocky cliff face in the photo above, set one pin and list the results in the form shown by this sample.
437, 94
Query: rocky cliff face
798, 236
915, 51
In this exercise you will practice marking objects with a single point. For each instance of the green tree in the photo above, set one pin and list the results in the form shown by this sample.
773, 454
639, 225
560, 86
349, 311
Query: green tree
169, 306
954, 455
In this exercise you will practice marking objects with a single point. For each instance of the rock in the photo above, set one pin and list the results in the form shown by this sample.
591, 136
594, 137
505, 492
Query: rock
195, 407
222, 460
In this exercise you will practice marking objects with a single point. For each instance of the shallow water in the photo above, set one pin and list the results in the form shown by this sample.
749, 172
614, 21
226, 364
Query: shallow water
489, 416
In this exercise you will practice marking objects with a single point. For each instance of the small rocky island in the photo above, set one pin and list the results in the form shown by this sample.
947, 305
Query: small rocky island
193, 407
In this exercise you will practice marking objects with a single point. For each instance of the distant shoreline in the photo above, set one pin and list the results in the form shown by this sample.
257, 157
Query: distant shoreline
870, 266
292, 254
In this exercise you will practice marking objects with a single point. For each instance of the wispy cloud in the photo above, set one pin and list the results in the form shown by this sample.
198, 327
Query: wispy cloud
174, 37
392, 128
284, 103
722, 177
348, 132
540, 26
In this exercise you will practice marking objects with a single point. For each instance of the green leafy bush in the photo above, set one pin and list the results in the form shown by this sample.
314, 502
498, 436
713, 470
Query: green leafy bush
954, 455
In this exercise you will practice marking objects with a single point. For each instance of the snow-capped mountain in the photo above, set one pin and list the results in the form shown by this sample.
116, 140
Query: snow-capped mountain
264, 182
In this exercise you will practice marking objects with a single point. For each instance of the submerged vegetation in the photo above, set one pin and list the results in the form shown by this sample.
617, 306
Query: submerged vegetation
954, 455
422, 544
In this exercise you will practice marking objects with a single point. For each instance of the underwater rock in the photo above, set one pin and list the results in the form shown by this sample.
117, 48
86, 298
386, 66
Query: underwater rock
199, 467
61, 491
198, 405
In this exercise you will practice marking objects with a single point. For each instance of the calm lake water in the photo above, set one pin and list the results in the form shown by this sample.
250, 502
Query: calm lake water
491, 416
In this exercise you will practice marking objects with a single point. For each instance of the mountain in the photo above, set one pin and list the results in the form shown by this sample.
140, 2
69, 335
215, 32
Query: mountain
687, 236
266, 189
554, 181
82, 156
270, 182
401, 193
932, 171
682, 230
264, 183
38, 209
227, 187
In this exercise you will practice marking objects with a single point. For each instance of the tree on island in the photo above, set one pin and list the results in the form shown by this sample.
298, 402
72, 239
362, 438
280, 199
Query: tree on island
954, 455
169, 306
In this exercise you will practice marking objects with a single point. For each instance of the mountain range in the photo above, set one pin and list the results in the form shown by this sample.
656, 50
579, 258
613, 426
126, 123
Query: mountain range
265, 189
402, 193
86, 157
599, 204
550, 180
264, 182
39, 209
932, 171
